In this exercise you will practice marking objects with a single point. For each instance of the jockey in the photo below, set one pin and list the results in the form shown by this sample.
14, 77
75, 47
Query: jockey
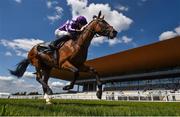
69, 30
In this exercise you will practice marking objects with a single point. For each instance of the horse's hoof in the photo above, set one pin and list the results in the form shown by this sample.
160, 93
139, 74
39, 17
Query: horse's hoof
99, 94
48, 103
68, 87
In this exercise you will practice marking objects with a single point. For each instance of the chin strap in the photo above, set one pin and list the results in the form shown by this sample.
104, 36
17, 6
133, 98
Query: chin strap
97, 35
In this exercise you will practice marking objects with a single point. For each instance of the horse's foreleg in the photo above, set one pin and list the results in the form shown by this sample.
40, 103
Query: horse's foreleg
98, 81
68, 66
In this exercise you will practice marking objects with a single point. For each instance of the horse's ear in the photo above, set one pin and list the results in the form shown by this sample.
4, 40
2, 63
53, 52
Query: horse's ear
94, 17
102, 17
99, 15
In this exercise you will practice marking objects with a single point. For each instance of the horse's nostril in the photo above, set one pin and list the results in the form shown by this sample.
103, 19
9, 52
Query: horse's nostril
115, 32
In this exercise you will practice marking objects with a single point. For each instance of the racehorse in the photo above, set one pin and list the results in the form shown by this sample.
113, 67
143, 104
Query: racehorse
71, 56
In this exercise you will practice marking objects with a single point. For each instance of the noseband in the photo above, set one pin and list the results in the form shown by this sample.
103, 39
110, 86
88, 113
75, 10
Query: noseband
105, 29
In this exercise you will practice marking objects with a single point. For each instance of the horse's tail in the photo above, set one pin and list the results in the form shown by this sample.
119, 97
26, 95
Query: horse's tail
21, 68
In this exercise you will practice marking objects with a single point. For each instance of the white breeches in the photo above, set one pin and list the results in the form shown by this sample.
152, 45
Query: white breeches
59, 33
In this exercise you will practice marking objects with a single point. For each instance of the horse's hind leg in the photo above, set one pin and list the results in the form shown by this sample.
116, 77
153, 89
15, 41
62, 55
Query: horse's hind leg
49, 91
45, 80
44, 83
41, 81
68, 66
68, 87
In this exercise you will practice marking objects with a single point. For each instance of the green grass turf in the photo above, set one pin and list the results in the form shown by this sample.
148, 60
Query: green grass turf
32, 107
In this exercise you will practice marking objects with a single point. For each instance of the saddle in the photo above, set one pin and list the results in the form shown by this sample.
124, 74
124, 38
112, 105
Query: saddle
44, 48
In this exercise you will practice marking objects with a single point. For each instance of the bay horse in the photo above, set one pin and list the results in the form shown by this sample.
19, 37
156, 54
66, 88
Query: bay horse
71, 56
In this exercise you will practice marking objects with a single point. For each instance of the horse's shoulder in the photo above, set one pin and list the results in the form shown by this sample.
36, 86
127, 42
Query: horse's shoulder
69, 43
72, 45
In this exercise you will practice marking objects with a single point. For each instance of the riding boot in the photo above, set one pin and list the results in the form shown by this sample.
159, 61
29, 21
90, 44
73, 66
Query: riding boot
53, 45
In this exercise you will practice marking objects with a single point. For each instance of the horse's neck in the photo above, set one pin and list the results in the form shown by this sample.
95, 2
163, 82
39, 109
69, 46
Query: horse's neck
85, 38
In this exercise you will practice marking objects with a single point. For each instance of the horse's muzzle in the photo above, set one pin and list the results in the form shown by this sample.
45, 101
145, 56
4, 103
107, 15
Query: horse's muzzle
113, 34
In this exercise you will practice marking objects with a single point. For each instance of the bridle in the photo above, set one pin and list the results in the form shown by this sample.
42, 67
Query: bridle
105, 30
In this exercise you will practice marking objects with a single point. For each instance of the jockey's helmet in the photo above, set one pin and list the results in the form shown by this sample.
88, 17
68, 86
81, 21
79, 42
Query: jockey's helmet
82, 20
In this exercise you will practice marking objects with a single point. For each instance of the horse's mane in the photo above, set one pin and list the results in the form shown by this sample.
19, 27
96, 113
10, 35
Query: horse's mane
85, 29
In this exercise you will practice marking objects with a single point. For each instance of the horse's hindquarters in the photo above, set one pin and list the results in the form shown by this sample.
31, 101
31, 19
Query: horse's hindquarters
39, 58
33, 55
46, 59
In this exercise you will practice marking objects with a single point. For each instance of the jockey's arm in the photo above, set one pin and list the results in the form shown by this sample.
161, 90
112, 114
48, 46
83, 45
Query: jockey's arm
76, 30
72, 28
84, 26
69, 28
81, 28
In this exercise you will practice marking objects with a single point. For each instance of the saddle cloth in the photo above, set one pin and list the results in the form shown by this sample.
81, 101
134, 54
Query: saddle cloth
44, 48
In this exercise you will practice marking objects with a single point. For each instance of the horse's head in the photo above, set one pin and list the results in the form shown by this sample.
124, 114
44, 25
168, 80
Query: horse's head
102, 28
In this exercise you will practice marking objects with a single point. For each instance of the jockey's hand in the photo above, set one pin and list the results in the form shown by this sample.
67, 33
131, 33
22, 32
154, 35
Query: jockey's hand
79, 30
82, 29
